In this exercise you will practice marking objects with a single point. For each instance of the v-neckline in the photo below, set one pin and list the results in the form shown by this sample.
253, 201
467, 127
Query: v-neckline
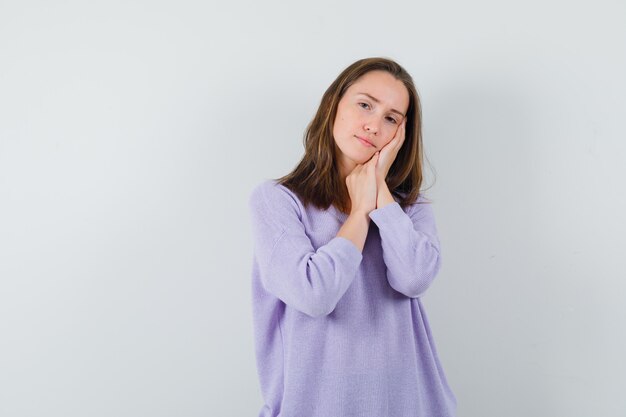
341, 216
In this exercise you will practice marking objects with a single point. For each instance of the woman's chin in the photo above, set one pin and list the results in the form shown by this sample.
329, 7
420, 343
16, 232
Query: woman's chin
359, 156
363, 157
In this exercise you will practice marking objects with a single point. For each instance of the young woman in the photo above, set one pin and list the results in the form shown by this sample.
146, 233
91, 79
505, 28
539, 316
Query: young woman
344, 247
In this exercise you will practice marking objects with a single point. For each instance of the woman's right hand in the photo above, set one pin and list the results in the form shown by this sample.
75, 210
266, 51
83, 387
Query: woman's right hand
362, 186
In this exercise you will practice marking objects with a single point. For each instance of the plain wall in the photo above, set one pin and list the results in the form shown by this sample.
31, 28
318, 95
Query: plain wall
131, 134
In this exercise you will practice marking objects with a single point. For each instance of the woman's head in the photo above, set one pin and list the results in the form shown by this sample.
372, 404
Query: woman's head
371, 108
349, 110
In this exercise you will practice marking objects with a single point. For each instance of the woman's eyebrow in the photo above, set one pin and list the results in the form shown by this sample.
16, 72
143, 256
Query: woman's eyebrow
378, 101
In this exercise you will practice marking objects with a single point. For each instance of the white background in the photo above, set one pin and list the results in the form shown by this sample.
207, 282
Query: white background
131, 133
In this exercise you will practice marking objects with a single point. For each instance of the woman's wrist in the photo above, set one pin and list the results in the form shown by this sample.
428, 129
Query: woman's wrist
384, 196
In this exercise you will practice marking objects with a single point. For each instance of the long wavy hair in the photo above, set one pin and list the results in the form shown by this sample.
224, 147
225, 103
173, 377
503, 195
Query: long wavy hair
316, 178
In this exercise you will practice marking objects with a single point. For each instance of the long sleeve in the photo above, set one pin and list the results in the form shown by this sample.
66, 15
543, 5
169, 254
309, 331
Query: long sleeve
308, 280
411, 248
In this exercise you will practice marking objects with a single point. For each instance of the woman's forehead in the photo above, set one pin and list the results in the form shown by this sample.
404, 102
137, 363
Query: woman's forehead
383, 88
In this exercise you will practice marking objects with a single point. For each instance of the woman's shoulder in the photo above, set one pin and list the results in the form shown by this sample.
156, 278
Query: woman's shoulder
271, 187
420, 203
421, 197
272, 193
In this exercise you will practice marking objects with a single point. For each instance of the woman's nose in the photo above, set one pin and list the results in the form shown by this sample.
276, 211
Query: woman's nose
372, 126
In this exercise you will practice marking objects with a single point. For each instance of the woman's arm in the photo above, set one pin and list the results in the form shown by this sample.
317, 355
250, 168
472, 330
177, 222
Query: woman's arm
411, 248
311, 281
355, 228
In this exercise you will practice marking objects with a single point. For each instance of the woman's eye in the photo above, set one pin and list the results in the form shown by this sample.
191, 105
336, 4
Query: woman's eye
391, 119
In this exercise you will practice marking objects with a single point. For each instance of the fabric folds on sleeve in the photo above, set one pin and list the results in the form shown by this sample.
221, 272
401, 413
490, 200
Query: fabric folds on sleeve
308, 280
411, 248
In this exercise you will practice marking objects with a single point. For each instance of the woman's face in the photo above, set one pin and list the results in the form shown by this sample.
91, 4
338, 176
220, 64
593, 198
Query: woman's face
372, 109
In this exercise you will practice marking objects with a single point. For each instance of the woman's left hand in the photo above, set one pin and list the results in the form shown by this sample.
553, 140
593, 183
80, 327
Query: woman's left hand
388, 153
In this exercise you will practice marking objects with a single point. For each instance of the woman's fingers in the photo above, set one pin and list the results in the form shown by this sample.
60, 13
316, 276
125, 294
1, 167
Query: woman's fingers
371, 164
362, 187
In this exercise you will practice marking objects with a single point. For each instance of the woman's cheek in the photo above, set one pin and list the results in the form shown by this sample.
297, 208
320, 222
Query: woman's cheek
388, 136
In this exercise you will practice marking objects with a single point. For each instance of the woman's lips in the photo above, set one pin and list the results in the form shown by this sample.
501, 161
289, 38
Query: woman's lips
365, 142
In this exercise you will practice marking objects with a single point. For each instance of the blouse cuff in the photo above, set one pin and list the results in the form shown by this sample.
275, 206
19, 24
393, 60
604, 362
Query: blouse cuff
348, 250
387, 214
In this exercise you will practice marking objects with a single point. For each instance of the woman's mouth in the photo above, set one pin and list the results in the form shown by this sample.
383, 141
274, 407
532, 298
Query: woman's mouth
365, 142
